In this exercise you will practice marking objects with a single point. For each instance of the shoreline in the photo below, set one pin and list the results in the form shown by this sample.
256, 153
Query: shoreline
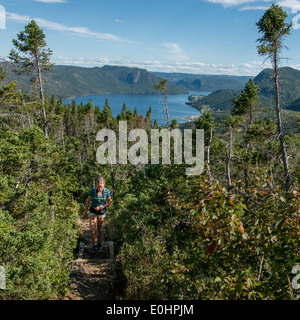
190, 118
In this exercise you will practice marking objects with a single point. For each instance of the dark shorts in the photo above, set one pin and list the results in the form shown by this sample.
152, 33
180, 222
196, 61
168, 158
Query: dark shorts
100, 213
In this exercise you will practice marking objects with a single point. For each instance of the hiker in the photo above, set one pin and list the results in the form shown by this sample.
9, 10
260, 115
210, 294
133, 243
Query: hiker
101, 199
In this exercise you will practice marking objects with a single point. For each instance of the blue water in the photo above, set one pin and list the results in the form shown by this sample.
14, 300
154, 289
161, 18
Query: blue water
176, 105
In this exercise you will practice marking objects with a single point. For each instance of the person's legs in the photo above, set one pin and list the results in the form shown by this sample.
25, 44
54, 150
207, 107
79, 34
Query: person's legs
93, 224
100, 222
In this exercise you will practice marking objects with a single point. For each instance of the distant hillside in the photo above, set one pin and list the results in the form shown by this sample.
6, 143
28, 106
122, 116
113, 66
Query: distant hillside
70, 81
295, 106
209, 83
289, 79
220, 100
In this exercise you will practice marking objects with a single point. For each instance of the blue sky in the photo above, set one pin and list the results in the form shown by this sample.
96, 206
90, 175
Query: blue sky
191, 36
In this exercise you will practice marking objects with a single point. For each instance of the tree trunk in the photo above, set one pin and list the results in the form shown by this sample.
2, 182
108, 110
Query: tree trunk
167, 110
112, 178
42, 94
208, 154
250, 116
249, 148
288, 177
228, 160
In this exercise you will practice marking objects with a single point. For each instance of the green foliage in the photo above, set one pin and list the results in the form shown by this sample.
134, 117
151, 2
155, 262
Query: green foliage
35, 252
233, 245
205, 122
31, 43
246, 242
274, 29
247, 101
37, 240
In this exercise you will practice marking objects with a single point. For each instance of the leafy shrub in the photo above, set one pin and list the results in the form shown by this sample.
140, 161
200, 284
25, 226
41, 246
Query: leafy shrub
237, 244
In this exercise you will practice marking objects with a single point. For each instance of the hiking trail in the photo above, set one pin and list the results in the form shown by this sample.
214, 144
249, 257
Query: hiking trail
93, 275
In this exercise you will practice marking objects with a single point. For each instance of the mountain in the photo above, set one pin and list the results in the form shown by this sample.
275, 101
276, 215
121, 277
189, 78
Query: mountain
71, 81
295, 106
209, 83
220, 100
289, 80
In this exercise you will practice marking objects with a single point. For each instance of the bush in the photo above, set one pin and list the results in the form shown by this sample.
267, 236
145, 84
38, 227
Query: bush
38, 230
237, 244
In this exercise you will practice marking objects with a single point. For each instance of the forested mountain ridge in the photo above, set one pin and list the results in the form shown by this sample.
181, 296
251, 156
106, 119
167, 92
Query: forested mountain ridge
205, 82
289, 80
71, 81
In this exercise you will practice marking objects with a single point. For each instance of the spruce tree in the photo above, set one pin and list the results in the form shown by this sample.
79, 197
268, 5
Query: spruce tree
274, 30
162, 86
32, 56
247, 101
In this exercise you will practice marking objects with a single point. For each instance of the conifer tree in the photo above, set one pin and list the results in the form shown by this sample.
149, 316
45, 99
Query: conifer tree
162, 86
247, 101
124, 109
245, 105
206, 122
274, 30
32, 56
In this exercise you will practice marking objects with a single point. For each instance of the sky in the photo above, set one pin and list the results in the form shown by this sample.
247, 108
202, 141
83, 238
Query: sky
186, 36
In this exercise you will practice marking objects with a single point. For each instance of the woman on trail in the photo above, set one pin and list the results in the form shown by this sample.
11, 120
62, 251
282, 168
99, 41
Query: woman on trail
101, 199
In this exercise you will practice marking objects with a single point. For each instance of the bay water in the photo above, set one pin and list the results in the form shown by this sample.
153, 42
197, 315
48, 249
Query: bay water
177, 106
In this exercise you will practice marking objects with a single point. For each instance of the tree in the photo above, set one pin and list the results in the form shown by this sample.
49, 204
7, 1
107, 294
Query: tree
106, 113
230, 124
174, 124
274, 30
245, 105
206, 122
148, 120
123, 111
247, 101
162, 86
32, 56
11, 103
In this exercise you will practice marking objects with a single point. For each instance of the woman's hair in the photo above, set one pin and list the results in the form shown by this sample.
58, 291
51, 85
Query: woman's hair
100, 180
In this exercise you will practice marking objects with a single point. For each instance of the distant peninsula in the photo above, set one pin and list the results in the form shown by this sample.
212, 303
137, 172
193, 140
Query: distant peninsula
221, 100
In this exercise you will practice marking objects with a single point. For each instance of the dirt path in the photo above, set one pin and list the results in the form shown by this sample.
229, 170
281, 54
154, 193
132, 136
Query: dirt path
93, 275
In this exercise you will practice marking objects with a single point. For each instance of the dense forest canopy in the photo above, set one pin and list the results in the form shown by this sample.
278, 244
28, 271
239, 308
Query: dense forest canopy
231, 232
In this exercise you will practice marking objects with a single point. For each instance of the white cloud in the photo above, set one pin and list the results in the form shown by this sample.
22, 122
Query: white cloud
17, 17
289, 3
175, 49
229, 3
251, 68
80, 31
119, 21
254, 8
282, 3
